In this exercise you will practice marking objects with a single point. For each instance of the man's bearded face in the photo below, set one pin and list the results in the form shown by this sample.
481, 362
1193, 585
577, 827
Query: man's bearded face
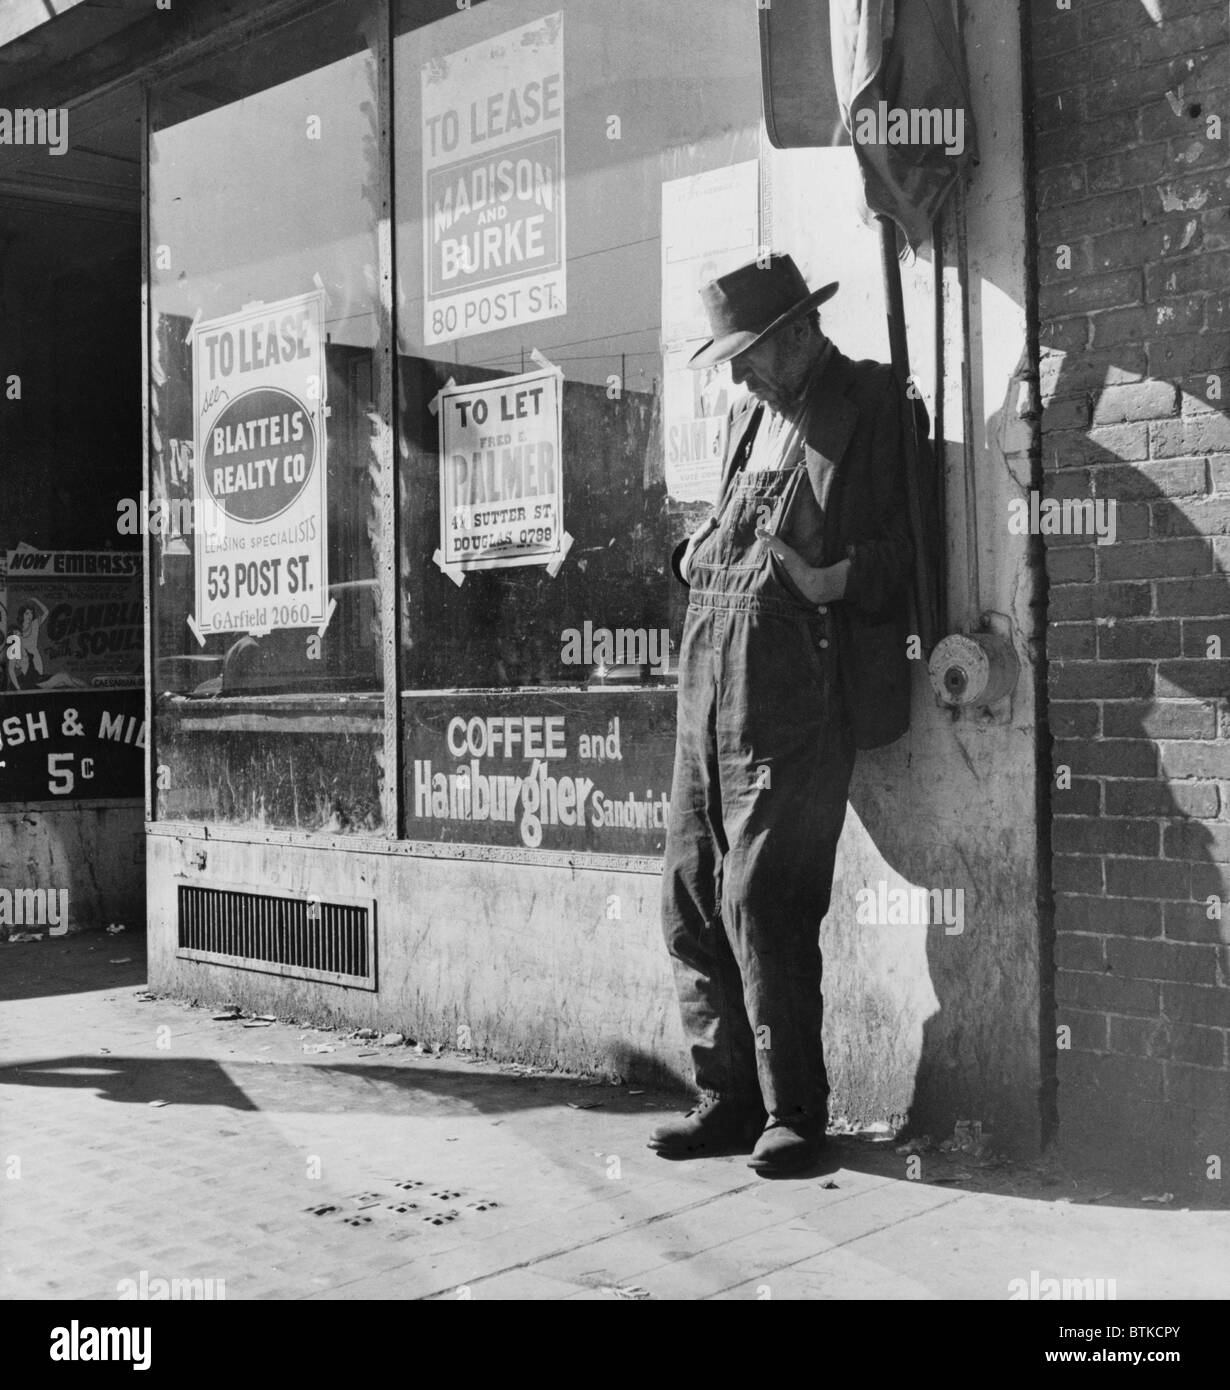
773, 370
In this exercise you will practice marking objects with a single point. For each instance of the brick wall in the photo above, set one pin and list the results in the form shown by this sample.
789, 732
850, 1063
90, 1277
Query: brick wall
1133, 178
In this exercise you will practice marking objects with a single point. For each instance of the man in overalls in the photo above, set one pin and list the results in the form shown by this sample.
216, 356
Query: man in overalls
793, 656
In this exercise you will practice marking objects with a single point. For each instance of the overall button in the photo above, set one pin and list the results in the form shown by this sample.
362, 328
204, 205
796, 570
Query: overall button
822, 609
824, 641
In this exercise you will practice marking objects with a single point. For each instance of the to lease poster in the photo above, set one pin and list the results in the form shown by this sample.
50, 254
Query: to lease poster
694, 406
259, 453
709, 226
493, 183
501, 485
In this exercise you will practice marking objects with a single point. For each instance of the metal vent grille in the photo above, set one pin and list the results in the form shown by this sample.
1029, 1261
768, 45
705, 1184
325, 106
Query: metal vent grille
303, 937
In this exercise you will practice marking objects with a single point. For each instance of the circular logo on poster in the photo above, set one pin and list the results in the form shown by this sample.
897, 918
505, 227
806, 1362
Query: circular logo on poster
259, 454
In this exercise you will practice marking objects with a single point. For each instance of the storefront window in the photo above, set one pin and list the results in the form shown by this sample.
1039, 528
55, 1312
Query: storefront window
265, 181
562, 184
567, 175
538, 144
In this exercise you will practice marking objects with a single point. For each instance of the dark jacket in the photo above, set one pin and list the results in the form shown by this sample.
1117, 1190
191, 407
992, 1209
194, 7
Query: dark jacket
855, 423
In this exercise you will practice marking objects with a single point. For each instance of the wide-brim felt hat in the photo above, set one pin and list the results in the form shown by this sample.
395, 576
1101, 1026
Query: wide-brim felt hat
751, 303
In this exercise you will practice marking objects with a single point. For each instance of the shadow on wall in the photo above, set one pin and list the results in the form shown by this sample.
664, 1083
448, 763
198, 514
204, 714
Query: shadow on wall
944, 1018
1140, 860
931, 1025
1138, 680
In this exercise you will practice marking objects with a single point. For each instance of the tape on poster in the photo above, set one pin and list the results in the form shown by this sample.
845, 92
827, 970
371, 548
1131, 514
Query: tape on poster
565, 546
457, 576
434, 404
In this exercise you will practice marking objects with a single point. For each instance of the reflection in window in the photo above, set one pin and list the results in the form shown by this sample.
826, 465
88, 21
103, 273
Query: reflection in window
240, 220
533, 143
267, 657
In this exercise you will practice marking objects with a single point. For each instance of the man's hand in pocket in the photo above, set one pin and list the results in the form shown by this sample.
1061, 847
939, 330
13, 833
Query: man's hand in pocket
817, 583
709, 524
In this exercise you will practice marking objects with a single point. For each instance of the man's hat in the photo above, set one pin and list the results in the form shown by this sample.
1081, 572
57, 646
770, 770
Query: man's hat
751, 303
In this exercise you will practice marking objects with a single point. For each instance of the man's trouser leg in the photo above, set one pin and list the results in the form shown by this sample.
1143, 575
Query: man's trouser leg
785, 758
708, 980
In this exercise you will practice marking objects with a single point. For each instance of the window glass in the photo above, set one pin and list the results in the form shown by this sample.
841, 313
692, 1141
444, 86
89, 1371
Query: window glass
538, 145
265, 187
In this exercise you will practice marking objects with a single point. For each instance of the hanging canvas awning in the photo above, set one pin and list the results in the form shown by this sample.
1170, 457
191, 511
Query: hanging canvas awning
887, 76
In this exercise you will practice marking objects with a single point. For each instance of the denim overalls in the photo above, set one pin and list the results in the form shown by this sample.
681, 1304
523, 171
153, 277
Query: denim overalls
762, 768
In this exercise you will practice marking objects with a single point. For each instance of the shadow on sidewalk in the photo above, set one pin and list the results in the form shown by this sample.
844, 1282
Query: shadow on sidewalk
74, 964
134, 1080
433, 1091
426, 1089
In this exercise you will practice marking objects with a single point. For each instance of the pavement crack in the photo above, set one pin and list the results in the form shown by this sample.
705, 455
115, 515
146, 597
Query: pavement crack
841, 1244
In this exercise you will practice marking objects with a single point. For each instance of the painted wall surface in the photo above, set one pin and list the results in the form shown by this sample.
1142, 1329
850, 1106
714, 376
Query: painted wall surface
94, 853
530, 959
926, 1019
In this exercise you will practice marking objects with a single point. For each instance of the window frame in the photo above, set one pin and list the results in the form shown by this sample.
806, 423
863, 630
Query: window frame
262, 24
391, 839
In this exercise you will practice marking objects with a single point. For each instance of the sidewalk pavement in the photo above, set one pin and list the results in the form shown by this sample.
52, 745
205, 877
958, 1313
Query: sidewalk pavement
146, 1139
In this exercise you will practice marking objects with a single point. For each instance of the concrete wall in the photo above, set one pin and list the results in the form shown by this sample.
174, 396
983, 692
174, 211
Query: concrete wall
920, 1021
94, 853
530, 959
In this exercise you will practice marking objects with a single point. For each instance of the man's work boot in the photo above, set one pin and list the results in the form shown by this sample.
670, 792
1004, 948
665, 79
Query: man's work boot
713, 1126
788, 1146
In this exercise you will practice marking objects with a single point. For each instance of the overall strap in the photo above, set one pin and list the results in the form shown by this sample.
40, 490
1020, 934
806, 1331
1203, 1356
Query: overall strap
745, 449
